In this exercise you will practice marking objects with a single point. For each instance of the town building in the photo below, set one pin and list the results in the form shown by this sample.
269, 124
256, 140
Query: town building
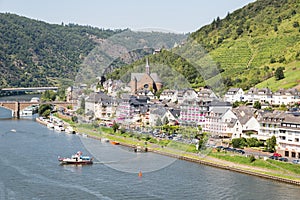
132, 111
234, 94
193, 112
168, 95
220, 122
288, 140
286, 128
249, 125
101, 106
286, 97
145, 81
262, 95
185, 94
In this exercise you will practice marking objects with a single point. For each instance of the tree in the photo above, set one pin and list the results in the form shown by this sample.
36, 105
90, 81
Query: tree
236, 104
82, 104
74, 119
239, 31
61, 93
257, 105
158, 122
48, 95
115, 126
296, 24
45, 110
238, 142
279, 73
165, 121
270, 144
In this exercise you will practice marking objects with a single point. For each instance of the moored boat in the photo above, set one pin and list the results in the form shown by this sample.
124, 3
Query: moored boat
77, 159
114, 142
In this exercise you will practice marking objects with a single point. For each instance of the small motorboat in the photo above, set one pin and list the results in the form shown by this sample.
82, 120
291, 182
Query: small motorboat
77, 159
114, 142
138, 148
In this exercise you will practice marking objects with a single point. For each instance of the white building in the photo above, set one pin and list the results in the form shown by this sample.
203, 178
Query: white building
234, 94
101, 106
285, 97
288, 139
249, 125
205, 94
168, 95
185, 94
261, 95
220, 122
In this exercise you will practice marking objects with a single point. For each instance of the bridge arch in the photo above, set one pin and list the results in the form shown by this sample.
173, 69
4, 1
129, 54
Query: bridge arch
5, 109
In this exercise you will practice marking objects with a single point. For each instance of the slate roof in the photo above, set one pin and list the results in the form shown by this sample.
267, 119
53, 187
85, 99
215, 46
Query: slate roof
99, 97
234, 90
175, 112
244, 113
159, 111
139, 76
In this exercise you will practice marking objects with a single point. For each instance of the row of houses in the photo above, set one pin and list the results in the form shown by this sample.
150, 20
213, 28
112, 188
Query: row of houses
203, 108
263, 95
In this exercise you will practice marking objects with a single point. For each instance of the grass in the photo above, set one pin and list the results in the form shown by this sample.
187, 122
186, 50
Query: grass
292, 78
265, 164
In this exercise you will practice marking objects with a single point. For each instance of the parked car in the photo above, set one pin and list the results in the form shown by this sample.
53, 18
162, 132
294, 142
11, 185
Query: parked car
277, 154
240, 151
274, 157
296, 161
219, 147
283, 159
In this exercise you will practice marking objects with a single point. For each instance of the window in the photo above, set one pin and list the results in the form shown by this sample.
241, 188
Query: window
296, 139
286, 153
293, 154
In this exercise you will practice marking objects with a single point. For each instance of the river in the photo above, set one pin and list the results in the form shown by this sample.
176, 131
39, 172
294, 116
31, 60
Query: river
29, 169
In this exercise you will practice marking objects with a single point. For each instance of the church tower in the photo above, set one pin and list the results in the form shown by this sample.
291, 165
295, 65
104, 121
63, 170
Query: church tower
147, 67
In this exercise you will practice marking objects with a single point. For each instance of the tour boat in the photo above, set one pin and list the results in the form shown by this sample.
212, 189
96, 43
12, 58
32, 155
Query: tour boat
77, 159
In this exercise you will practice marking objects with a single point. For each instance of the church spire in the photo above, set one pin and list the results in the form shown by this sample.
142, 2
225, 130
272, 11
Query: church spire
147, 67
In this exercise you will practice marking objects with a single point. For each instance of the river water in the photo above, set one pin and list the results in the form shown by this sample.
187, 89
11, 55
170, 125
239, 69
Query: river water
29, 169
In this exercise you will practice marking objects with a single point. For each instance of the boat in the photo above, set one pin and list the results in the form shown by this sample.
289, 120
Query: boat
76, 159
104, 140
70, 130
114, 142
59, 128
138, 148
50, 125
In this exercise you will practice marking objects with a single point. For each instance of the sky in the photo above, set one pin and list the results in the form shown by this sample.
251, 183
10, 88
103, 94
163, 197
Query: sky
180, 16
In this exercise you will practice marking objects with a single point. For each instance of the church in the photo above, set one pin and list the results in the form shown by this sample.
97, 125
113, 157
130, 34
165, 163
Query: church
145, 81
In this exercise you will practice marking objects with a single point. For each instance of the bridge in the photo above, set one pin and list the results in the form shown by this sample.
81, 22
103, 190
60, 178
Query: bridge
29, 89
17, 106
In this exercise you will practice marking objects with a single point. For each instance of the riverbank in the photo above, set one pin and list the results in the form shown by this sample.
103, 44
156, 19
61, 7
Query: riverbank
259, 168
272, 172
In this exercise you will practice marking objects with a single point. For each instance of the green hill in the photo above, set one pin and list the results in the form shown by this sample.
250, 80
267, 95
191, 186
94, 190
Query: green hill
252, 42
244, 49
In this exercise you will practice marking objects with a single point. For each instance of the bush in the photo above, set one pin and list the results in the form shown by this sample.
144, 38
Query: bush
153, 140
238, 142
252, 158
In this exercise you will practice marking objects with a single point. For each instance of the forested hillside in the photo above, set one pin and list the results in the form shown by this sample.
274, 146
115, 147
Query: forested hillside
34, 53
